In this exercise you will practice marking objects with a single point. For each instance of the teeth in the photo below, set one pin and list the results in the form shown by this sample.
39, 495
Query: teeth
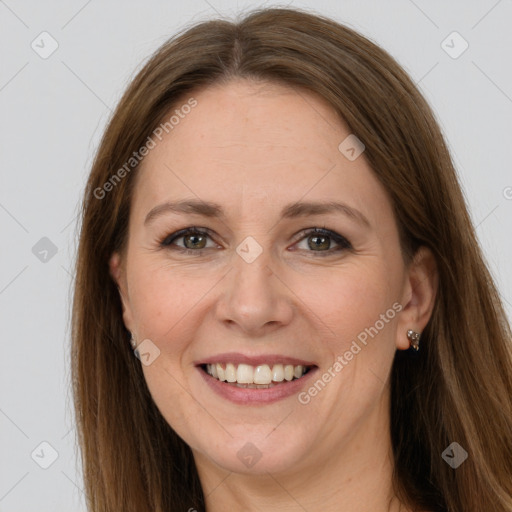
221, 373
262, 376
244, 374
278, 373
230, 372
288, 372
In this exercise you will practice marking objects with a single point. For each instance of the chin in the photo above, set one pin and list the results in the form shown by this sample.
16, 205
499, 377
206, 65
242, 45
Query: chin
257, 454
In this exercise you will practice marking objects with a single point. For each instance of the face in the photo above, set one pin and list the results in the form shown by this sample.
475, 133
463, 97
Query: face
246, 286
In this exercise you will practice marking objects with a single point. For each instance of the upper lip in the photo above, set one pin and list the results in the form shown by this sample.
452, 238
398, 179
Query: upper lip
254, 360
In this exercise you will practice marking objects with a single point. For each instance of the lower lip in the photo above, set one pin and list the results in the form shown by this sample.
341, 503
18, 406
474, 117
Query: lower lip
249, 396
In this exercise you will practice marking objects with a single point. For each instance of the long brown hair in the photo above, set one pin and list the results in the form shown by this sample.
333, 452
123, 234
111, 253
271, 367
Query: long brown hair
458, 389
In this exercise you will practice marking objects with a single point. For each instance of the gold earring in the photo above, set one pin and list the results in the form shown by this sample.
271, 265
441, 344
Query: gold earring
414, 338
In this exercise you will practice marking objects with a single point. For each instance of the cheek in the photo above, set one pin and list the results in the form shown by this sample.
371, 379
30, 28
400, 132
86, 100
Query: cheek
163, 302
357, 308
348, 301
163, 296
341, 303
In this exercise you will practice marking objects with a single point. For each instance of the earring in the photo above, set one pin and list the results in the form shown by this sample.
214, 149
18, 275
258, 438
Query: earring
414, 338
133, 343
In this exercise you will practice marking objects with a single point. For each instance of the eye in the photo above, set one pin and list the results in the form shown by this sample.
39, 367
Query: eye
194, 239
319, 240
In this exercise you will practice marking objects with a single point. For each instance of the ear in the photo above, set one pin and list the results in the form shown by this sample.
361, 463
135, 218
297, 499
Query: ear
419, 295
118, 273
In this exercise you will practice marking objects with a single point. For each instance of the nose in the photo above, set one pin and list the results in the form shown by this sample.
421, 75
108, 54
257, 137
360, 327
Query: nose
254, 299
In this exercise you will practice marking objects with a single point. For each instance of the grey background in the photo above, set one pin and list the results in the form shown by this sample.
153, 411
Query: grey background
53, 112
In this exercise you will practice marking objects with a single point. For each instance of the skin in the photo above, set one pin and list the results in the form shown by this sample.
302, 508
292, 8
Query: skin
254, 148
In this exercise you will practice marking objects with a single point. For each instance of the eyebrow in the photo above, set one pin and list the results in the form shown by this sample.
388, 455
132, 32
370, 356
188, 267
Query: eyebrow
293, 210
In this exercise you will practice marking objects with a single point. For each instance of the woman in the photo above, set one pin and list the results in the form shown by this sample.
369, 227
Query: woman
374, 376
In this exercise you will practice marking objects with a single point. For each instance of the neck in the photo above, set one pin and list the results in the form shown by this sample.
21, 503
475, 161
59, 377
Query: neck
355, 478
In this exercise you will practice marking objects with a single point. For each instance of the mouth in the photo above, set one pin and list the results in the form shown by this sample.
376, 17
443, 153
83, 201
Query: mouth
249, 379
262, 376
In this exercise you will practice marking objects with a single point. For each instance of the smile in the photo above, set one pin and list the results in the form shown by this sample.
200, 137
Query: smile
261, 376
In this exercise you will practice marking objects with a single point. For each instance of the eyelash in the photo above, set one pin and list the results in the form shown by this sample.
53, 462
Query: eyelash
342, 242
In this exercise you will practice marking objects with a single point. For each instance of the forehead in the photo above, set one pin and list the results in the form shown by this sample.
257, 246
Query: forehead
263, 141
